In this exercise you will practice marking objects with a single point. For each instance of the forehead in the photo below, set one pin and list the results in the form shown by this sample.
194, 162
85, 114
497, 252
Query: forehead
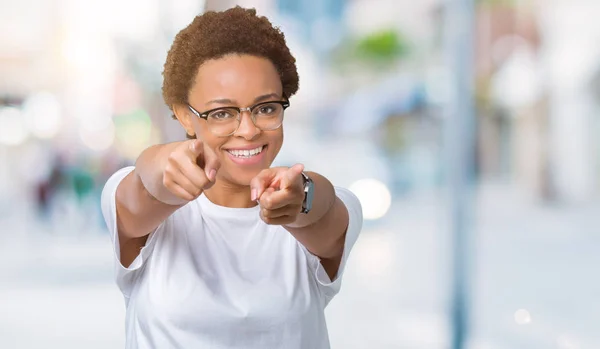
237, 77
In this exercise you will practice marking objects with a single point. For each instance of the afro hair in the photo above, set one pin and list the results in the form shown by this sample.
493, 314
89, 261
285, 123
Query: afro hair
213, 35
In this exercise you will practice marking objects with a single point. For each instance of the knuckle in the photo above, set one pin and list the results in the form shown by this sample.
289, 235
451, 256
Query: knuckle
172, 158
203, 181
197, 192
268, 203
263, 173
168, 176
169, 169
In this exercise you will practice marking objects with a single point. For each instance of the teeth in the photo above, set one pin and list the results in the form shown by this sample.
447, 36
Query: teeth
246, 153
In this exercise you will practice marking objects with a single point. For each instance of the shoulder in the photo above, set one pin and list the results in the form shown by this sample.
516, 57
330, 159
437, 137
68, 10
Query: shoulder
349, 199
110, 187
355, 213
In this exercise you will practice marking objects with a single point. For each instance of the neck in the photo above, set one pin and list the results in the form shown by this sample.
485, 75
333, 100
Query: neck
224, 193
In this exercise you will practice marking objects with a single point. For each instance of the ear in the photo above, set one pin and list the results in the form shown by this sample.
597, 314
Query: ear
184, 116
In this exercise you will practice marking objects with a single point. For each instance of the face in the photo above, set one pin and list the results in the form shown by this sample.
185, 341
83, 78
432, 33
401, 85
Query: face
235, 81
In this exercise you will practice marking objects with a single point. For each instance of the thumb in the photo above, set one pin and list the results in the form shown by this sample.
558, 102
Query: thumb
291, 176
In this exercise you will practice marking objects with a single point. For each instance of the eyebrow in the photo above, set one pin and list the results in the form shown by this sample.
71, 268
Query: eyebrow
228, 101
266, 97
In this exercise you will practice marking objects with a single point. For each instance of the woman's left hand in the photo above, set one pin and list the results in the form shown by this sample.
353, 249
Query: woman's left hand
280, 193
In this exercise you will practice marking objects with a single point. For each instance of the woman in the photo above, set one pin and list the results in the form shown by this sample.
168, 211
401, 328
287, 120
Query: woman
217, 249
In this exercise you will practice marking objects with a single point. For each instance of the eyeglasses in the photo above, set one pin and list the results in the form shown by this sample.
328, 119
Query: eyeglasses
225, 121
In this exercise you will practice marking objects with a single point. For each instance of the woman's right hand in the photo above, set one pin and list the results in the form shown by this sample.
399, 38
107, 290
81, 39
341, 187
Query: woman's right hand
189, 169
170, 174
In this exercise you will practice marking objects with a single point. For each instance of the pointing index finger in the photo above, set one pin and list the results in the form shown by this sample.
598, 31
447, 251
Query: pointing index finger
196, 147
211, 163
291, 176
261, 182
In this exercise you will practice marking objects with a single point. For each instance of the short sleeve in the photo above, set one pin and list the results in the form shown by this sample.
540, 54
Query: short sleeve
331, 287
125, 276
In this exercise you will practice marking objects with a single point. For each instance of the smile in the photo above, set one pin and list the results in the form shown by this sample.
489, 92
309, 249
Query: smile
247, 153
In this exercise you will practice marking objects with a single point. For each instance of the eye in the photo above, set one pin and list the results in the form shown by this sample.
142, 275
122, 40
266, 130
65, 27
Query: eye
267, 109
222, 114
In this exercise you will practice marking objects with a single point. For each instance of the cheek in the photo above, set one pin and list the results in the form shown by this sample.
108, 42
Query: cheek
204, 134
200, 129
212, 142
277, 140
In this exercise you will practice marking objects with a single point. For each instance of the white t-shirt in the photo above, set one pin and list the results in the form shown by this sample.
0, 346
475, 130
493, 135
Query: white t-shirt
216, 277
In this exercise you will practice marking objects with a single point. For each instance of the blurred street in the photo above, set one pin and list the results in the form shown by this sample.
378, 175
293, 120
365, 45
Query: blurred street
537, 259
385, 109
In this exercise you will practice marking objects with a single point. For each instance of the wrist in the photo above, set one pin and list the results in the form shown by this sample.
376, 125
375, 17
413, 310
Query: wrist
150, 168
323, 202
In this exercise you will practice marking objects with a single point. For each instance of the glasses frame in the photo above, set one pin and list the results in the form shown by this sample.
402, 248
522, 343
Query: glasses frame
204, 115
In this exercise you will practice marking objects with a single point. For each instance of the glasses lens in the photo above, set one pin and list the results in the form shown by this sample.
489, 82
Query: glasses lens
223, 122
268, 116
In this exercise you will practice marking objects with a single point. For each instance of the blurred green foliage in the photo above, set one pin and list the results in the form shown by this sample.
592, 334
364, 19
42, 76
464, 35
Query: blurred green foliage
380, 49
382, 46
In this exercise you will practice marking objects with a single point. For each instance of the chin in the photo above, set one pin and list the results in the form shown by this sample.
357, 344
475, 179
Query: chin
240, 177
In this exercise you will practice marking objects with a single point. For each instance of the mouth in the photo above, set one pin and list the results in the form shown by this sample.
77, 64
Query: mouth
246, 153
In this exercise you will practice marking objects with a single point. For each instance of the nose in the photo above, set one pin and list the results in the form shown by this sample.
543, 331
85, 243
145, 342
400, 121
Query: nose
247, 129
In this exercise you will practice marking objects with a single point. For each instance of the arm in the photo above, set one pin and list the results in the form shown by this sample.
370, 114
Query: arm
323, 230
138, 211
166, 177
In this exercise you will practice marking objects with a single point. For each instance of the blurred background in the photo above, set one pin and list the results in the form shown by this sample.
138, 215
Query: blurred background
80, 97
